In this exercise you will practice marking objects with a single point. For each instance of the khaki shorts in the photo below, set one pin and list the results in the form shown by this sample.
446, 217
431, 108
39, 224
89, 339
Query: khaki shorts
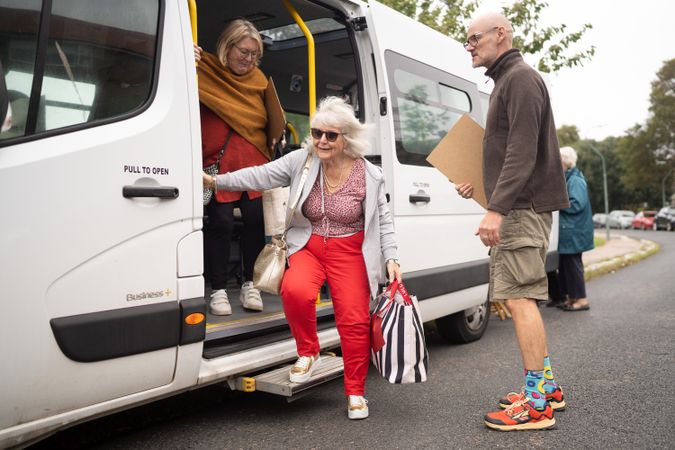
517, 264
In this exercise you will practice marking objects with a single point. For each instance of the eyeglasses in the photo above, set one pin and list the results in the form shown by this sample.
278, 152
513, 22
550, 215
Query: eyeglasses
473, 39
245, 53
331, 136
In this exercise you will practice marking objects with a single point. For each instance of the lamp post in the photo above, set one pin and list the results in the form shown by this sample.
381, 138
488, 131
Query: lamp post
663, 187
604, 186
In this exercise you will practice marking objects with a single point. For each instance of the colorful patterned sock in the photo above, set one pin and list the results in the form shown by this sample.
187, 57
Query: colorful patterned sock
549, 384
534, 388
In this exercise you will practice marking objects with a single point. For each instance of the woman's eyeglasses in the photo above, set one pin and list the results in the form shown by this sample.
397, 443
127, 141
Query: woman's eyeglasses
331, 136
245, 53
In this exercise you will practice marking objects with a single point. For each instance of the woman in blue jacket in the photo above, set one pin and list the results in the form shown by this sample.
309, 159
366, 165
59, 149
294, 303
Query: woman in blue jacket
576, 235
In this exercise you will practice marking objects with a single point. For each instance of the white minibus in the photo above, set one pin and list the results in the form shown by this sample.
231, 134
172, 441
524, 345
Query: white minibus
102, 293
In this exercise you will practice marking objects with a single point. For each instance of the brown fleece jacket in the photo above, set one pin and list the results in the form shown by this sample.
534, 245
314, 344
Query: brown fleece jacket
521, 157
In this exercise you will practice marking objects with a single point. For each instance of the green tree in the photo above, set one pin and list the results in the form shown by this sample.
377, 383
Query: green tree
568, 135
647, 152
551, 45
620, 196
661, 124
638, 163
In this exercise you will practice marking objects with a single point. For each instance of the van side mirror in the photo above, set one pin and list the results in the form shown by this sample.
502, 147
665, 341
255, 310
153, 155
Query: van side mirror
5, 109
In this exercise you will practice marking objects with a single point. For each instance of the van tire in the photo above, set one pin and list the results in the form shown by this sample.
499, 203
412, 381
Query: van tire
465, 326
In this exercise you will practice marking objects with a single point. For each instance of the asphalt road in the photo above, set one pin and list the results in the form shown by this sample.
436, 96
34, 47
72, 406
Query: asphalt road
615, 363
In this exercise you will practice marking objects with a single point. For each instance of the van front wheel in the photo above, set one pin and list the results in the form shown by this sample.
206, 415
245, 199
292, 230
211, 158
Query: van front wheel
465, 326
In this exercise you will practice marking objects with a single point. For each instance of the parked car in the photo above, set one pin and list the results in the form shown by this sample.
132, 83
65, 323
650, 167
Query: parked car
665, 219
644, 220
620, 218
599, 220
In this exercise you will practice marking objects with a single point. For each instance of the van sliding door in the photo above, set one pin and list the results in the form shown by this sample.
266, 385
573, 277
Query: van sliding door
97, 192
424, 88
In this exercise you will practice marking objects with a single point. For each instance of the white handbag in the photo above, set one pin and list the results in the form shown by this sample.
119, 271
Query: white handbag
270, 265
274, 203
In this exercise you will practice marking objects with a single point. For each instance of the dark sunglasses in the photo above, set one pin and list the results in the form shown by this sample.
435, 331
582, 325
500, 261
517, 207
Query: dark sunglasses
331, 136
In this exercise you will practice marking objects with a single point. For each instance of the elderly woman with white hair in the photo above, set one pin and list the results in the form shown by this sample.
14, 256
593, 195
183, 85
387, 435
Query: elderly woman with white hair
576, 235
341, 232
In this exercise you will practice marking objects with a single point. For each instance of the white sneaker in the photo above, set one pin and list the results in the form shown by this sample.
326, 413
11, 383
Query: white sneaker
250, 297
220, 304
357, 407
303, 368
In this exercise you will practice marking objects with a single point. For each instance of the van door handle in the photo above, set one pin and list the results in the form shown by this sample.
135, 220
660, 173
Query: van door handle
169, 192
419, 197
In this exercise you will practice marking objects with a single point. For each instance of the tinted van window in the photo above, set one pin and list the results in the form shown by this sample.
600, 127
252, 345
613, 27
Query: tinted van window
19, 24
98, 62
426, 103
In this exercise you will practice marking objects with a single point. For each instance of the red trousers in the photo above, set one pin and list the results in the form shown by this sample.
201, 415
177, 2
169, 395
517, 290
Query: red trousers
340, 262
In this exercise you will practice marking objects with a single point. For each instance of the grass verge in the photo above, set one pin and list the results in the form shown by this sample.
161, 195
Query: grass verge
647, 249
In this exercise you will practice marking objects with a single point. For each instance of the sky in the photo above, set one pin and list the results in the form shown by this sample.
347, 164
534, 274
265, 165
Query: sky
609, 94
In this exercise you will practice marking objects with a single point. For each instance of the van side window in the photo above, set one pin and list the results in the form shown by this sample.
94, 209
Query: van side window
426, 103
19, 24
98, 62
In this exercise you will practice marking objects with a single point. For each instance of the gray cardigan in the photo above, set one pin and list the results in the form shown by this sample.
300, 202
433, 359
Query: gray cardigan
379, 244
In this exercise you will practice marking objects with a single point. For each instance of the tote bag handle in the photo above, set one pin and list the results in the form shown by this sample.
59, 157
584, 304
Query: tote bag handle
394, 287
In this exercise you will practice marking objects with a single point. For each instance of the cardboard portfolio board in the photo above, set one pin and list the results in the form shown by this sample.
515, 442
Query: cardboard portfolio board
276, 118
459, 156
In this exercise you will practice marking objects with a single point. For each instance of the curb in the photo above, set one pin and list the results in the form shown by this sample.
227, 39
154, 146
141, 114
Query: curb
647, 248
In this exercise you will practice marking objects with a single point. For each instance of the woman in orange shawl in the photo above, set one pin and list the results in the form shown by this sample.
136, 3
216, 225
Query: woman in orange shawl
233, 117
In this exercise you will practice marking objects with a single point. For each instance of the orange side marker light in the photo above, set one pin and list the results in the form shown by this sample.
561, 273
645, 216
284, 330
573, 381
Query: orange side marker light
194, 318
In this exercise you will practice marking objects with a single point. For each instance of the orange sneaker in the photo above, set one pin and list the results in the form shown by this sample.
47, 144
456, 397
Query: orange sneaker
521, 415
556, 399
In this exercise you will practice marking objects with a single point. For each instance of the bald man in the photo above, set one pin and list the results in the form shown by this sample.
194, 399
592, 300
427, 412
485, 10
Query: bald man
524, 183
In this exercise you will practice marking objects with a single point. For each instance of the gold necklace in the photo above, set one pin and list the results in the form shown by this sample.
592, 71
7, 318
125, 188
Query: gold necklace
326, 181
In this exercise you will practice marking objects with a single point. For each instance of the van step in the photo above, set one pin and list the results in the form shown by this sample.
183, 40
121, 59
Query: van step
277, 382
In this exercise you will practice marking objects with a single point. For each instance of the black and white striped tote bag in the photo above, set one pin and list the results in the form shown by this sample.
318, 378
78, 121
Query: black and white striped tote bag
398, 350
